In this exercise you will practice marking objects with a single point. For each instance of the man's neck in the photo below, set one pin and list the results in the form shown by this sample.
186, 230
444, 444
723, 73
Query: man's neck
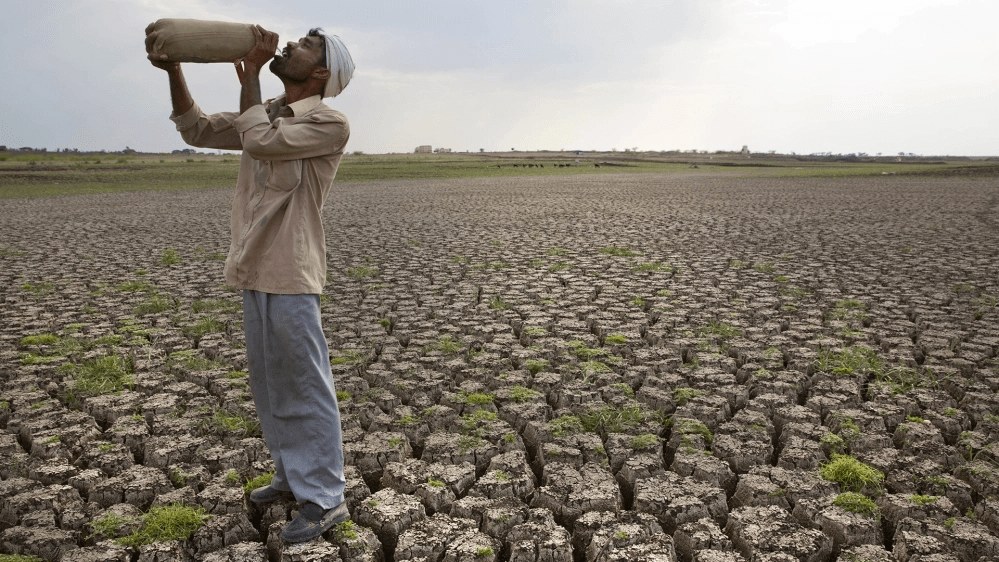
294, 92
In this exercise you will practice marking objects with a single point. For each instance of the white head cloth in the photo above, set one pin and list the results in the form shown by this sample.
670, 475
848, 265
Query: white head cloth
339, 63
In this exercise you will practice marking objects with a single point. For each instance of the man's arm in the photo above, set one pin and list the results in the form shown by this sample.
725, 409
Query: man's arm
248, 68
196, 128
179, 94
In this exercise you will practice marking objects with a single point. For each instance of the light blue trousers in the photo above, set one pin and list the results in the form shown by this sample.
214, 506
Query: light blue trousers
293, 391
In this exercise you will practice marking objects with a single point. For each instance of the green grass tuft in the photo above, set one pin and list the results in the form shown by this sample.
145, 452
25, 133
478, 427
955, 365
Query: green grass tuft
102, 375
855, 503
851, 474
684, 395
258, 482
167, 523
169, 257
522, 394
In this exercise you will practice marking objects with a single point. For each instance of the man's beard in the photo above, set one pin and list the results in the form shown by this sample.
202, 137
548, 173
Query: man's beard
278, 70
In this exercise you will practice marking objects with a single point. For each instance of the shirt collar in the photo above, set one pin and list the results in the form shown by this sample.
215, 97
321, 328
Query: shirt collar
300, 107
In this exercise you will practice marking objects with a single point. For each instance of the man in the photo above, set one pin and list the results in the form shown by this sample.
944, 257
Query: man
291, 147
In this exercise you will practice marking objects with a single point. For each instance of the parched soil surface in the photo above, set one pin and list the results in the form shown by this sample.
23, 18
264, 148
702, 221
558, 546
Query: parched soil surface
599, 368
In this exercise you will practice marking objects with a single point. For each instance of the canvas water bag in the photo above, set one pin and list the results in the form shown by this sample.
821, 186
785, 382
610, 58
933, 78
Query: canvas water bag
186, 40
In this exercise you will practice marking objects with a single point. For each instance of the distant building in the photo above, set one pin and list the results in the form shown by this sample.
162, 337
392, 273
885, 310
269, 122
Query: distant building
745, 151
424, 148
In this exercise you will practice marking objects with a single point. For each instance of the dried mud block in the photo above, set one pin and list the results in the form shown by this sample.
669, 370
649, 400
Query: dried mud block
223, 459
110, 458
896, 507
221, 498
794, 414
194, 476
627, 534
130, 431
494, 517
539, 539
389, 513
987, 511
569, 493
844, 527
14, 486
982, 476
590, 524
744, 448
574, 450
756, 531
239, 552
356, 542
165, 450
266, 515
106, 551
694, 536
429, 538
47, 543
520, 414
865, 553
705, 468
675, 500
129, 515
508, 476
655, 548
912, 546
55, 498
710, 409
15, 465
139, 485
356, 489
801, 454
797, 484
107, 408
969, 540
222, 531
437, 485
620, 447
712, 555
53, 471
759, 490
316, 550
454, 448
636, 468
375, 451
923, 440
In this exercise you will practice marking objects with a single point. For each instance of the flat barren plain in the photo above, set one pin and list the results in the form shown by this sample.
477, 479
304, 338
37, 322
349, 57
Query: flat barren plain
686, 365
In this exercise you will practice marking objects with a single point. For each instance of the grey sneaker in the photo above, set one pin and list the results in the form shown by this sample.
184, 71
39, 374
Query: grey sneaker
312, 521
266, 494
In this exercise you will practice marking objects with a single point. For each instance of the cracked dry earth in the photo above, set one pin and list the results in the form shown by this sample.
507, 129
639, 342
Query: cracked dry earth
599, 368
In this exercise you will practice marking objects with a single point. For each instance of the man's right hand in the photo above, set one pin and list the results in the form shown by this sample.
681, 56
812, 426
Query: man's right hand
159, 61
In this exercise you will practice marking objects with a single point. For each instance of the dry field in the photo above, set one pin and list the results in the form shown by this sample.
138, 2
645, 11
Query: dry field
659, 366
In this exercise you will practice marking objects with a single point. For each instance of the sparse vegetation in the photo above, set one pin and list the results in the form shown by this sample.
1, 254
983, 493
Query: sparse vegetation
101, 375
851, 474
169, 257
856, 503
258, 482
166, 523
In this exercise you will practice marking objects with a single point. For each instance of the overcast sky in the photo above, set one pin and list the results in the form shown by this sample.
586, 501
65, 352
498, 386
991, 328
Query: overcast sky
799, 76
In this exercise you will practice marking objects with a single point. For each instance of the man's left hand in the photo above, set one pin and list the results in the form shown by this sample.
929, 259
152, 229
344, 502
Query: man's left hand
262, 51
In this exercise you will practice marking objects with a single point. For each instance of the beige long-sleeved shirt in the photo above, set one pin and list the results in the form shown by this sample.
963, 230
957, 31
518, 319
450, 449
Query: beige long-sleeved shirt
290, 155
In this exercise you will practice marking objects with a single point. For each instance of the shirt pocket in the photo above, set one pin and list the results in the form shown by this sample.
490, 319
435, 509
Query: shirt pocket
283, 175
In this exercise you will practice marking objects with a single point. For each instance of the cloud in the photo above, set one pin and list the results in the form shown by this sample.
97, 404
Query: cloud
789, 75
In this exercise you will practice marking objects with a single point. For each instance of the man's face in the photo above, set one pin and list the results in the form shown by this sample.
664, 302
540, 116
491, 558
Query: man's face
299, 59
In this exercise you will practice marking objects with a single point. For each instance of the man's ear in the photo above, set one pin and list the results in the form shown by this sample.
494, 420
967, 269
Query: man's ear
321, 73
